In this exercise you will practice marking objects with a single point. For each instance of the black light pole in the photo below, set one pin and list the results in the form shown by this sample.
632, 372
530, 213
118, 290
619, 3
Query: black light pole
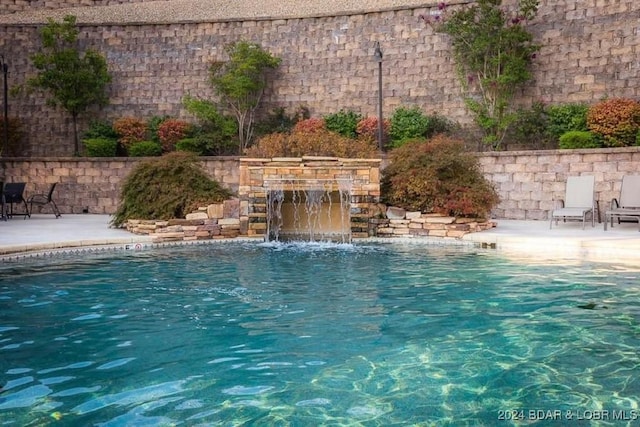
377, 54
5, 95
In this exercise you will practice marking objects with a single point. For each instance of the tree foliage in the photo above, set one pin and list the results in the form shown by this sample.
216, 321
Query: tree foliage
241, 81
493, 54
74, 80
216, 134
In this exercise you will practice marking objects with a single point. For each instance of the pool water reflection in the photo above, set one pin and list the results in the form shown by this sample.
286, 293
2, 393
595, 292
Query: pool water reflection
312, 334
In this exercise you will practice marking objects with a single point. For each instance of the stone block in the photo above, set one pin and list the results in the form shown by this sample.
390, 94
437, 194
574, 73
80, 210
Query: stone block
359, 235
197, 215
456, 233
418, 232
146, 226
461, 227
395, 213
215, 210
428, 226
244, 226
412, 215
401, 231
230, 233
229, 221
231, 208
385, 230
172, 235
440, 220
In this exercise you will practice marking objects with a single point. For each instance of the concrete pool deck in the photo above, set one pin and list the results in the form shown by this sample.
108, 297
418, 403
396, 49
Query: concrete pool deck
531, 239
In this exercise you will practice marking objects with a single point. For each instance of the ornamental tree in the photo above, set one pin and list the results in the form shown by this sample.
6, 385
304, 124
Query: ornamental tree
241, 81
493, 53
75, 80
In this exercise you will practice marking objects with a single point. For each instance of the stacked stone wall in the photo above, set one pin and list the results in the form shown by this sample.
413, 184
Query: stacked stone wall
93, 185
590, 50
12, 6
528, 182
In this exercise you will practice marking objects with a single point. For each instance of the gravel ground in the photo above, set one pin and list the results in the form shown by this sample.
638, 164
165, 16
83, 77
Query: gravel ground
178, 11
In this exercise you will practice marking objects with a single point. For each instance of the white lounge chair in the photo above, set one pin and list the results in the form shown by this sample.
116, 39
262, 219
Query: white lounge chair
579, 201
628, 207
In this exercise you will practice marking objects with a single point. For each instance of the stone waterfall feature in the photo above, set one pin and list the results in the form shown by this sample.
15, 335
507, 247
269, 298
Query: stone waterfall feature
308, 198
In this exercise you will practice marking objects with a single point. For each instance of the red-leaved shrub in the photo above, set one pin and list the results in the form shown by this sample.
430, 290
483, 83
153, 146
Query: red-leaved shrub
368, 128
309, 125
130, 130
319, 142
437, 176
171, 131
616, 120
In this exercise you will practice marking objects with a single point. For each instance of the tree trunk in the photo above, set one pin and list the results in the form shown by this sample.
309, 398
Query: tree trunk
76, 142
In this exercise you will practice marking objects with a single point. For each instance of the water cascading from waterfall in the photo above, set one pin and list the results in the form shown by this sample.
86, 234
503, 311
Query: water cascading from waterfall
310, 210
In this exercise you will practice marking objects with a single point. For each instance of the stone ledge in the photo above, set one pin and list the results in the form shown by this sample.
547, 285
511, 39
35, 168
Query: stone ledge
429, 225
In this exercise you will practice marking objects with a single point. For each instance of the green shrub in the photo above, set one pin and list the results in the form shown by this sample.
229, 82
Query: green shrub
217, 129
100, 147
343, 122
567, 117
278, 121
616, 120
578, 139
14, 137
153, 124
530, 129
167, 187
407, 124
100, 129
437, 123
197, 146
437, 176
145, 149
215, 144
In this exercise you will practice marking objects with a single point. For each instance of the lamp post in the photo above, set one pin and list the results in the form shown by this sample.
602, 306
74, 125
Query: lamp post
5, 93
377, 55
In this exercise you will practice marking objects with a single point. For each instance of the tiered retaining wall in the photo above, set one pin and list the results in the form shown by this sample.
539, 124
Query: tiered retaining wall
589, 51
527, 181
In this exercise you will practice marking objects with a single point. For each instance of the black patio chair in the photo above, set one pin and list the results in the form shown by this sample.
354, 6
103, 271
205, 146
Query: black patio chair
14, 193
3, 203
43, 200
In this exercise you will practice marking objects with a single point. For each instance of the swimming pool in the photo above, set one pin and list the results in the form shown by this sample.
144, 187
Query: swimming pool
315, 334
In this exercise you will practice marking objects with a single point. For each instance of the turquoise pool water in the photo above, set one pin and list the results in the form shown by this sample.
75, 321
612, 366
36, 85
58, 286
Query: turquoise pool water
316, 334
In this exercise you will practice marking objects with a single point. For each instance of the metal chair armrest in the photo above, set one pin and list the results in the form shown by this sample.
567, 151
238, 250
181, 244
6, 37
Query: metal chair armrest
614, 203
